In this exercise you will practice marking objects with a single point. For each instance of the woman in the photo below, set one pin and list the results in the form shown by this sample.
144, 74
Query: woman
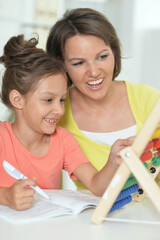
99, 109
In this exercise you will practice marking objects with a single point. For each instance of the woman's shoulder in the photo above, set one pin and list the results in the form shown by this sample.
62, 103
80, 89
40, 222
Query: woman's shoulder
142, 96
139, 88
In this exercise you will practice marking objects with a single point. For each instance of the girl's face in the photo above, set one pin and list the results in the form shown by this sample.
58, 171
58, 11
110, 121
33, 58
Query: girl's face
90, 64
43, 107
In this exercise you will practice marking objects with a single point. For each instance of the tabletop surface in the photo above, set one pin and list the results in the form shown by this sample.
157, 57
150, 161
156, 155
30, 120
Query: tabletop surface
80, 227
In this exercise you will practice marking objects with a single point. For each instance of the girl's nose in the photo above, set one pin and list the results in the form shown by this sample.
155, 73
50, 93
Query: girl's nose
58, 109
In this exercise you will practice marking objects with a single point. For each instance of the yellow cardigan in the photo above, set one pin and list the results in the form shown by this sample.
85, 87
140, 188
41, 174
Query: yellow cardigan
141, 98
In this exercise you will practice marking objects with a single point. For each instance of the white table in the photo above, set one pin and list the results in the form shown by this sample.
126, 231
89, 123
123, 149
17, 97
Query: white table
80, 227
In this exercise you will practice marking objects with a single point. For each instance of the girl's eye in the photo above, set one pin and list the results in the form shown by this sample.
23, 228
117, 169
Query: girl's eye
48, 100
63, 100
103, 56
77, 63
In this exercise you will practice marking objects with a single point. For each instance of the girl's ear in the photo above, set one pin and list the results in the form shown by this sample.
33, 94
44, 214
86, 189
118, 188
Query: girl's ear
16, 99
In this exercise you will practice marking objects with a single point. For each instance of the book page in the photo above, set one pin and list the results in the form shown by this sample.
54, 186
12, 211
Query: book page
62, 202
75, 200
41, 209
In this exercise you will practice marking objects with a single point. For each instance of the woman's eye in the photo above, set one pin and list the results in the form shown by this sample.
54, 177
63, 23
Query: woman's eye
103, 56
77, 63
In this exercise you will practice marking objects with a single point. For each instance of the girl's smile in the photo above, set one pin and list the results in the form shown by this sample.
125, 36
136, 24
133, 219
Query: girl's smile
42, 108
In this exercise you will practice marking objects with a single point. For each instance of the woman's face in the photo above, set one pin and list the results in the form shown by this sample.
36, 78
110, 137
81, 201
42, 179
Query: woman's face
90, 65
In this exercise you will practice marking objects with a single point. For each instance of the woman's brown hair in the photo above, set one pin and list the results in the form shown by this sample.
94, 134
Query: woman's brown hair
84, 21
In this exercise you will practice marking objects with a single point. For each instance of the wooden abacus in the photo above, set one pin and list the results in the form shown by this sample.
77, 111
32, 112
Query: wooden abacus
132, 164
152, 152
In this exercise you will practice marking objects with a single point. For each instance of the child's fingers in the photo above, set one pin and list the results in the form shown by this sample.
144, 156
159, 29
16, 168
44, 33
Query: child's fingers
27, 199
20, 190
19, 196
28, 192
26, 182
127, 141
121, 143
34, 179
130, 140
23, 202
118, 146
24, 206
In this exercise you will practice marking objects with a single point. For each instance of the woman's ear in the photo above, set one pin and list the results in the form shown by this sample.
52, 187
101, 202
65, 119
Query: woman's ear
16, 99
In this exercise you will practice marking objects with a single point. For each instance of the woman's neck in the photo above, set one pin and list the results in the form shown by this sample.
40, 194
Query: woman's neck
82, 101
111, 113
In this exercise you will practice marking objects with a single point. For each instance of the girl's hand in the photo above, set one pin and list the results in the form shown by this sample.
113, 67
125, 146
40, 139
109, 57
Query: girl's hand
18, 196
117, 147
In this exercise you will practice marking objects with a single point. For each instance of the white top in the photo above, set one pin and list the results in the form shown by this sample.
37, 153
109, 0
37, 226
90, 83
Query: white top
110, 137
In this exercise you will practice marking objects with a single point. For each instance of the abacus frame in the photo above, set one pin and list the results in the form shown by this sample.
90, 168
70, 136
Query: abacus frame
132, 164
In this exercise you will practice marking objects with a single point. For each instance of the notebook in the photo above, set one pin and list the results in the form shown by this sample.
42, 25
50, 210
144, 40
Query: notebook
62, 202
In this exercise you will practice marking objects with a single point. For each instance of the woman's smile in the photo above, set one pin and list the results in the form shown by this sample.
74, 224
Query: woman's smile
95, 83
90, 66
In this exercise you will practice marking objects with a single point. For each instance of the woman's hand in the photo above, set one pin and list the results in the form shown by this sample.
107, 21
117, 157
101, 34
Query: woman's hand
19, 196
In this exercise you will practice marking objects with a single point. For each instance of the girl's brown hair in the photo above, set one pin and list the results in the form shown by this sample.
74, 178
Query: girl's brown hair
84, 21
25, 65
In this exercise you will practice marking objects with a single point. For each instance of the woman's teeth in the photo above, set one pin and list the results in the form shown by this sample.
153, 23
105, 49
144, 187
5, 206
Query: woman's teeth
95, 82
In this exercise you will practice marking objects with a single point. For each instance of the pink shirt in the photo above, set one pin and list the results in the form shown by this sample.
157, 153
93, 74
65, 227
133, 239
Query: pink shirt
64, 153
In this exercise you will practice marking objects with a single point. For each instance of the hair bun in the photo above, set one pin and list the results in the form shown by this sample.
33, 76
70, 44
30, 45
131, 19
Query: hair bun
16, 50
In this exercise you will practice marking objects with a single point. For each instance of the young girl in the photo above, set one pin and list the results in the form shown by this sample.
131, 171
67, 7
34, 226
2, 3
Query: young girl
34, 86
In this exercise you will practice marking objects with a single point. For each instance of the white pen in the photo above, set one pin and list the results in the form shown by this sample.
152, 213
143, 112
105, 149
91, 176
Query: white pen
12, 171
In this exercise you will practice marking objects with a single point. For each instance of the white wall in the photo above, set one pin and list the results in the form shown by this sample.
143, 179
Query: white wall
146, 39
137, 23
11, 15
138, 26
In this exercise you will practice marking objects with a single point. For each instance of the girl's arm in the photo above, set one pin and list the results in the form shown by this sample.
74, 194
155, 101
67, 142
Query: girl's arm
96, 181
18, 196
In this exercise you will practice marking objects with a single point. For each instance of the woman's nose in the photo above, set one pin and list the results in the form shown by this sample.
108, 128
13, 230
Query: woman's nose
93, 70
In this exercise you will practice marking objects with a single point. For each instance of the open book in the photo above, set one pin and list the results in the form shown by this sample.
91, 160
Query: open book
62, 202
